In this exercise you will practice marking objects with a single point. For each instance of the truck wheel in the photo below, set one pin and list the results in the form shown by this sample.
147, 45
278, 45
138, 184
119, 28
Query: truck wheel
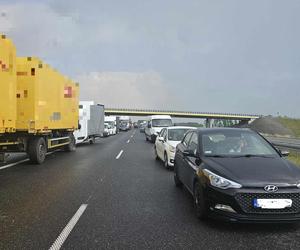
72, 145
37, 150
92, 140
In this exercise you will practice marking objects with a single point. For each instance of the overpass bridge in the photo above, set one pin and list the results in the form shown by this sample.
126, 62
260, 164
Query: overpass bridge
182, 114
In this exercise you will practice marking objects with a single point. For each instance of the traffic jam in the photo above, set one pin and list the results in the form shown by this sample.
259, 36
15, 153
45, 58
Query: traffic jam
233, 174
149, 124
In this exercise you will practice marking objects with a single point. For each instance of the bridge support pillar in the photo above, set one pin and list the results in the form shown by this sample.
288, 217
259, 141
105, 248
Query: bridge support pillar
243, 122
208, 123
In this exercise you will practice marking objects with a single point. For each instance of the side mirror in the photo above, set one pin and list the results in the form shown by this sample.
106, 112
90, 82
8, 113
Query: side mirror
284, 153
161, 139
189, 153
198, 161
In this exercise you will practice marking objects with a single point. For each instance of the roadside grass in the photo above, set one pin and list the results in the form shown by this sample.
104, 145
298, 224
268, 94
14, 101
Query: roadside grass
295, 158
292, 124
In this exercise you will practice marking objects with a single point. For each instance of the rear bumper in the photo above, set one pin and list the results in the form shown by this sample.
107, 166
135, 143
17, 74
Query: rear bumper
171, 159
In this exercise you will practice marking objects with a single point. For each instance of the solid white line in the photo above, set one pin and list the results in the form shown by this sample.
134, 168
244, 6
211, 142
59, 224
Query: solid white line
128, 141
119, 155
68, 228
19, 162
13, 164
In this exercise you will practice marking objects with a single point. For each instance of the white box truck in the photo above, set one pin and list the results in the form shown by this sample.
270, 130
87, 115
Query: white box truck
91, 122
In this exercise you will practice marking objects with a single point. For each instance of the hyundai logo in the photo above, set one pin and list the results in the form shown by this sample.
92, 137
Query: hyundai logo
271, 188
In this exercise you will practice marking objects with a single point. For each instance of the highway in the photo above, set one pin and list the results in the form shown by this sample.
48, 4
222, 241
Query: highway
114, 195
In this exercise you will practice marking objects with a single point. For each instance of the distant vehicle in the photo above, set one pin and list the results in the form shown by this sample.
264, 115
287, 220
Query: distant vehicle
142, 127
91, 122
139, 122
112, 121
155, 124
124, 126
135, 125
166, 142
125, 123
237, 175
107, 130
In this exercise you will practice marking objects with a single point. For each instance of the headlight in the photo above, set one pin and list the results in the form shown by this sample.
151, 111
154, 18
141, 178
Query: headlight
220, 182
172, 149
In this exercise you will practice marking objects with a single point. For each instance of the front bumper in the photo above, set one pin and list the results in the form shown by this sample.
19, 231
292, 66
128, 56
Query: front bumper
171, 159
244, 210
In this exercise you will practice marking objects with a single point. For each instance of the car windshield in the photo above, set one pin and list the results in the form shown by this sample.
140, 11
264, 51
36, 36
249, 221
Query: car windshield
176, 134
161, 123
111, 123
236, 143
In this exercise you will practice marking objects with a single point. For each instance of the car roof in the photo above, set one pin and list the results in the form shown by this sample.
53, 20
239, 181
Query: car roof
159, 117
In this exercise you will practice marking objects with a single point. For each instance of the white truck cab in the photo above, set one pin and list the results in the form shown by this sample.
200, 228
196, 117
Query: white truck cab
112, 121
91, 122
155, 124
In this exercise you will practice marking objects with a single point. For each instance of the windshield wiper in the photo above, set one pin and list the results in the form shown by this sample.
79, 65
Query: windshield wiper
250, 155
217, 156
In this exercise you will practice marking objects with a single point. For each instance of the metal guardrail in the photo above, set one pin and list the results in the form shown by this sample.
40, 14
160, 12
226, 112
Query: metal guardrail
291, 143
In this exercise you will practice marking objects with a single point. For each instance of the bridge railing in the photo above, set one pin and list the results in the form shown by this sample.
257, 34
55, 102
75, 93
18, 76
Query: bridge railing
150, 111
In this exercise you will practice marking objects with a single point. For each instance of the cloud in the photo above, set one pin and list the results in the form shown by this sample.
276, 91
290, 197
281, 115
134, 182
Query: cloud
126, 89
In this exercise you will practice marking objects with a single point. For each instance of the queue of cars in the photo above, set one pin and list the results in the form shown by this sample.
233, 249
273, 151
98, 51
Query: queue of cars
233, 174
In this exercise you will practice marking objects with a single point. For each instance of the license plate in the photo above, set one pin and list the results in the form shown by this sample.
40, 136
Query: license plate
272, 203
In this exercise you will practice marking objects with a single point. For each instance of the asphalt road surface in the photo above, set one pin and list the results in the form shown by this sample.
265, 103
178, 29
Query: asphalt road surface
114, 195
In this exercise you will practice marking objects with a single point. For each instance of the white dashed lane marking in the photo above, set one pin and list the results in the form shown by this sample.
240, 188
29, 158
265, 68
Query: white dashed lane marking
68, 228
119, 155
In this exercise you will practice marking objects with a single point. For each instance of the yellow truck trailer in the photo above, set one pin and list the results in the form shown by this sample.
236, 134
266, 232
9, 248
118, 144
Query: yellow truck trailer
8, 113
38, 107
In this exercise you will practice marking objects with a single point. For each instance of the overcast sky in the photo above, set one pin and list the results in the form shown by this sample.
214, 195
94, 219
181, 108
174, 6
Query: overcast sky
215, 56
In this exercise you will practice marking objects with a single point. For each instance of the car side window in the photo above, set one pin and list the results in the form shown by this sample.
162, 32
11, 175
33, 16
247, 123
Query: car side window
186, 139
193, 144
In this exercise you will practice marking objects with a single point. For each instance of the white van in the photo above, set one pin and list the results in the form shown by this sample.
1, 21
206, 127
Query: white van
112, 121
155, 124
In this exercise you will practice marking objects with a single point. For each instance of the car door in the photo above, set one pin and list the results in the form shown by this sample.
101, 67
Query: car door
160, 144
190, 167
179, 157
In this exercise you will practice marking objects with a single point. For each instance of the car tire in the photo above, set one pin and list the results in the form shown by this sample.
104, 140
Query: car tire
166, 161
199, 202
177, 181
155, 154
92, 140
